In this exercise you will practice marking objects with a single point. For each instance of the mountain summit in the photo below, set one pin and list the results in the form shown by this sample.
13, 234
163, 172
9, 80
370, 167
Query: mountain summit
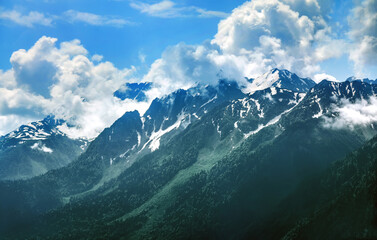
365, 80
209, 162
36, 148
281, 79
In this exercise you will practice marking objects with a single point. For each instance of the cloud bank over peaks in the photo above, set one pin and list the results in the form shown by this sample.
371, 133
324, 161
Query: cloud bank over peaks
183, 66
256, 37
63, 81
260, 35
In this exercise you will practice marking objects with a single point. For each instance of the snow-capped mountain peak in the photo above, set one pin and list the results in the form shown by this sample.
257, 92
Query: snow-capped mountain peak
37, 147
39, 130
281, 79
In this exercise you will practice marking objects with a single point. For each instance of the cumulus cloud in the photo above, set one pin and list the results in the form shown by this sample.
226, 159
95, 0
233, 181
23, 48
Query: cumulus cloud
310, 8
283, 32
182, 66
350, 115
29, 20
256, 37
73, 88
254, 19
7, 79
363, 32
35, 68
168, 9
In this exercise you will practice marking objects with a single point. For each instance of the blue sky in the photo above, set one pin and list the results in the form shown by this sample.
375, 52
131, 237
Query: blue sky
66, 58
143, 34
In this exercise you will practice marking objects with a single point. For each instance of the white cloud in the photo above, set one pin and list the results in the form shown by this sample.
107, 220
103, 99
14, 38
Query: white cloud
34, 18
254, 19
363, 19
168, 9
181, 66
350, 115
332, 48
41, 147
142, 57
310, 8
257, 36
18, 106
209, 13
74, 88
283, 36
364, 53
13, 121
161, 9
7, 79
94, 19
363, 32
72, 48
30, 20
35, 68
97, 58
323, 76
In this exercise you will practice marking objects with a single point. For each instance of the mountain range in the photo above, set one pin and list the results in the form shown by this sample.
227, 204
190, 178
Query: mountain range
36, 148
210, 162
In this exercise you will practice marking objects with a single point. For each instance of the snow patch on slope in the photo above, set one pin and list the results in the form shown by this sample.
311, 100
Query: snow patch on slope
273, 121
154, 140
